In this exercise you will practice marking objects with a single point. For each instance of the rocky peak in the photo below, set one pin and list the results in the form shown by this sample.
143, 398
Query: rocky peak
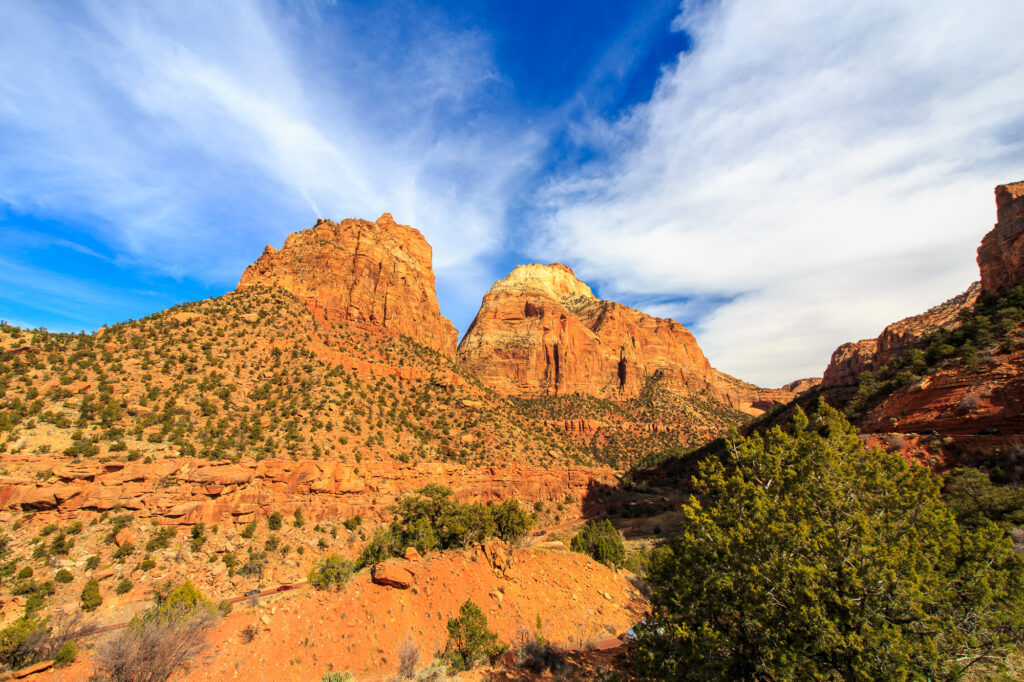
1001, 254
369, 274
556, 281
541, 331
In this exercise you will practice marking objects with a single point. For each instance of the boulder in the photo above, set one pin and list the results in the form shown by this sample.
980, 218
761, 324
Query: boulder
498, 554
392, 575
412, 554
124, 536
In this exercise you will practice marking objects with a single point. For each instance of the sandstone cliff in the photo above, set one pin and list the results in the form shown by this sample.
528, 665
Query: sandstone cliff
1001, 254
850, 359
371, 275
542, 332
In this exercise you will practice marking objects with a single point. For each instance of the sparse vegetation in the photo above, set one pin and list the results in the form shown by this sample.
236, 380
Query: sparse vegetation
160, 641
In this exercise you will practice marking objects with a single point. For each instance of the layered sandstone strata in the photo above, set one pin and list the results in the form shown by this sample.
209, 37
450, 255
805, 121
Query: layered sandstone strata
187, 491
368, 274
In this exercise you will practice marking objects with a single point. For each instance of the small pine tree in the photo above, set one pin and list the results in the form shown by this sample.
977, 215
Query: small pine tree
66, 655
469, 640
331, 573
249, 530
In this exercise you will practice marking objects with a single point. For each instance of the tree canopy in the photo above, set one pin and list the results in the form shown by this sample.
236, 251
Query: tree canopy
432, 519
805, 555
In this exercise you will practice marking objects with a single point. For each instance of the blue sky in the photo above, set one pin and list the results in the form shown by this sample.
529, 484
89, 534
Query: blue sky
780, 177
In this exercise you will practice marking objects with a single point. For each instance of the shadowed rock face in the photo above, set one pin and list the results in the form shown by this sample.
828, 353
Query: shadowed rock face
373, 275
1001, 254
541, 331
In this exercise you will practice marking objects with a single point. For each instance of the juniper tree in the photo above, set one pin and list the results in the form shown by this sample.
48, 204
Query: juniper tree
805, 555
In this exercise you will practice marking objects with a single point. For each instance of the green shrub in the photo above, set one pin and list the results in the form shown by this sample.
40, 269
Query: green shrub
331, 573
161, 539
66, 655
601, 541
92, 563
249, 530
336, 676
91, 597
274, 521
125, 586
198, 536
25, 573
177, 604
432, 519
63, 576
469, 640
300, 520
16, 640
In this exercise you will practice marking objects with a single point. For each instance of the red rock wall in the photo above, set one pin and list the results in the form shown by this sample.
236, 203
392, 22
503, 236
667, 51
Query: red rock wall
188, 491
1001, 254
850, 359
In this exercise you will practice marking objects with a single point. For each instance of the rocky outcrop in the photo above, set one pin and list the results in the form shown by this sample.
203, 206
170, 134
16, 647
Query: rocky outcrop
372, 275
850, 359
1001, 254
541, 332
187, 491
390, 574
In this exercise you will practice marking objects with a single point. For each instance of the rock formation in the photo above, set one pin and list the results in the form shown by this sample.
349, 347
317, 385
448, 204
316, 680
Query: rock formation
541, 331
1001, 254
187, 491
372, 275
850, 359
1001, 262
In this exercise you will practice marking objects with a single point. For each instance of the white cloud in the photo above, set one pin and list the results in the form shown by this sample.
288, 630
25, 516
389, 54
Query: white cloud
188, 134
827, 167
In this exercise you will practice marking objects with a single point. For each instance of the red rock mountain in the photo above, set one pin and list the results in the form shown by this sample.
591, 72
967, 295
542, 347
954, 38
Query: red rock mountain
542, 332
371, 275
1001, 262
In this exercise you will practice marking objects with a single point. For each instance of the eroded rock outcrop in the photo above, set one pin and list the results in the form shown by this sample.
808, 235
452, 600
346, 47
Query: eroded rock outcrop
369, 274
187, 491
1001, 254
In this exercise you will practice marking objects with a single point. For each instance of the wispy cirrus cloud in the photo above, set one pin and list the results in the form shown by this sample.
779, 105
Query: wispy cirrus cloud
825, 167
188, 134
